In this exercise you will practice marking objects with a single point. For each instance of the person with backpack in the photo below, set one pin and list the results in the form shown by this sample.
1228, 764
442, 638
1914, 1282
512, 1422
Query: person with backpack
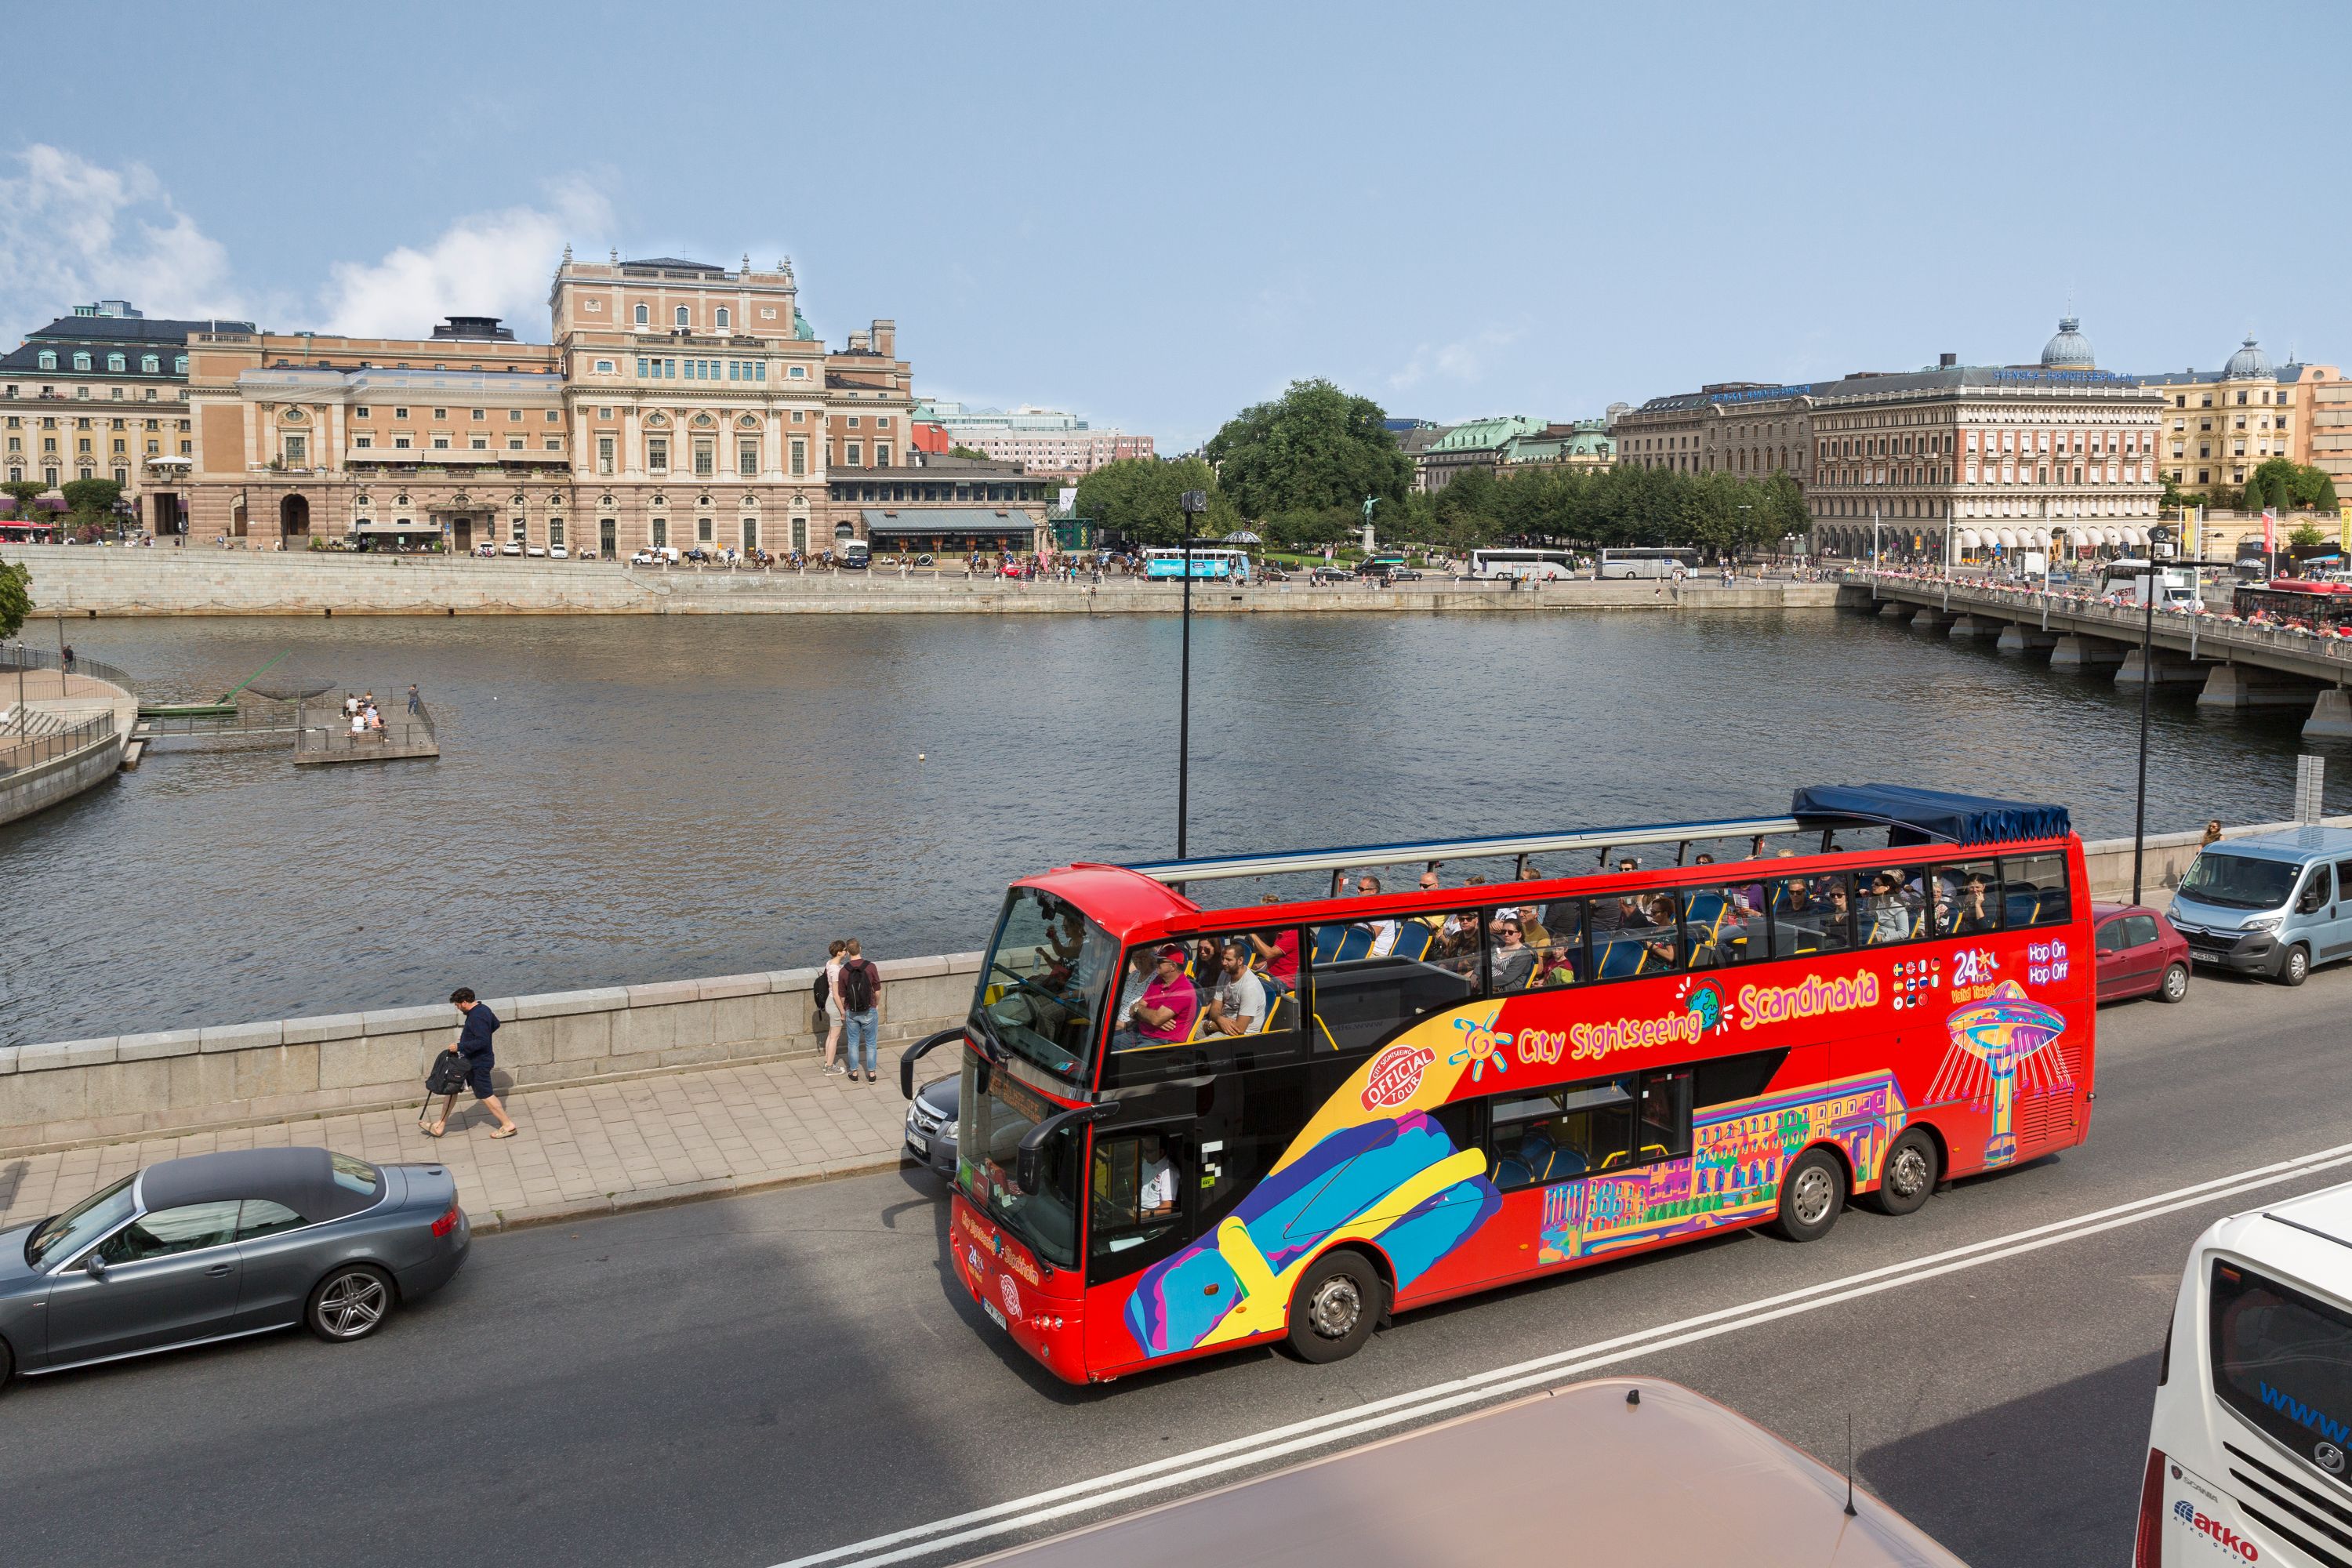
825, 992
473, 1046
857, 996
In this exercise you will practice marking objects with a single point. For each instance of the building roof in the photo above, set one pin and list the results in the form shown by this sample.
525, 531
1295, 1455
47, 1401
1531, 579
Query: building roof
1486, 435
677, 264
2069, 349
142, 328
920, 520
2249, 364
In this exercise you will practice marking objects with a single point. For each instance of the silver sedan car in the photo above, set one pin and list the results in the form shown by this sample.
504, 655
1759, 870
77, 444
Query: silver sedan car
215, 1246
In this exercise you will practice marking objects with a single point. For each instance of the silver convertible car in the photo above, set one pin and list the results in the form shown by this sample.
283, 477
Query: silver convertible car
218, 1245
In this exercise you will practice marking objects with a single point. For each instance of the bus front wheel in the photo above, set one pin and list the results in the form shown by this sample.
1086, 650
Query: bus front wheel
1813, 1193
1333, 1311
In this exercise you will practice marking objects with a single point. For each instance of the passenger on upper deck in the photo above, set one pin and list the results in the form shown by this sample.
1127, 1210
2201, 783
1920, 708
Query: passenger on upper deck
1384, 932
1280, 956
1514, 960
1167, 1008
1237, 1005
1972, 914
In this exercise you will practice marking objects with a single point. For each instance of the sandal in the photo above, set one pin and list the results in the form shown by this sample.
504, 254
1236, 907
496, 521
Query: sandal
506, 1131
431, 1131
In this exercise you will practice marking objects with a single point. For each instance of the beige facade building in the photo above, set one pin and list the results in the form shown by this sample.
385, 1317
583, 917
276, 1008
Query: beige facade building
2220, 426
1750, 429
679, 404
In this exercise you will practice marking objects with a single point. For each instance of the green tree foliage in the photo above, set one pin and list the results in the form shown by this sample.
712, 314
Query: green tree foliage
2303, 536
960, 450
2256, 498
2288, 483
16, 597
90, 500
1314, 449
22, 494
1623, 508
1139, 497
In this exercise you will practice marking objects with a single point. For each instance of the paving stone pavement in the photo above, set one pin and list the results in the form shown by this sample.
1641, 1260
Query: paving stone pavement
585, 1150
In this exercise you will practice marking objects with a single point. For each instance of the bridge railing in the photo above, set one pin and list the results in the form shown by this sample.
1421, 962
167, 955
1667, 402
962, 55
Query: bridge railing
2127, 619
29, 749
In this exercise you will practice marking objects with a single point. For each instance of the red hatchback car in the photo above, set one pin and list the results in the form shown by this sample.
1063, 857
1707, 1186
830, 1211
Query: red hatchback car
2140, 953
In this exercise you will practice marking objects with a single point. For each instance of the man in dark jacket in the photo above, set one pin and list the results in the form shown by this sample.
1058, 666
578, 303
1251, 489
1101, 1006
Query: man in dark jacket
474, 1045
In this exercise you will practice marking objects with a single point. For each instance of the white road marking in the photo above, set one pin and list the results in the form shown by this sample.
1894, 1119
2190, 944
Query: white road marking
1437, 1399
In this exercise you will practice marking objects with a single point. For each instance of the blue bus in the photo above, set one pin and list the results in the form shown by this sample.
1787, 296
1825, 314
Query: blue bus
1162, 562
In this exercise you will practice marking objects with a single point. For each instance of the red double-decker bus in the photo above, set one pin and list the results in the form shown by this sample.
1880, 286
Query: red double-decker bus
1184, 1128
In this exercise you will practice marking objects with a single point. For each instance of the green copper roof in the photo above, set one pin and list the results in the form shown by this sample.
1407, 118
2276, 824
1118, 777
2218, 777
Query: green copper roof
1480, 435
801, 328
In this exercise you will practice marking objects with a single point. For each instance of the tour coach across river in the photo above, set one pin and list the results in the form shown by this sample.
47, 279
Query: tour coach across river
1186, 1127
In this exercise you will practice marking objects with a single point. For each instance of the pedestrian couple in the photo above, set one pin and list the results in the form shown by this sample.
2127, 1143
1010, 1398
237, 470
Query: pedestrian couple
850, 991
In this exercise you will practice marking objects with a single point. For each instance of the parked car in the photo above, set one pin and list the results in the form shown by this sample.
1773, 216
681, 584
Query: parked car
557, 553
511, 548
485, 551
2138, 953
2273, 904
1405, 574
932, 1126
215, 1246
1330, 575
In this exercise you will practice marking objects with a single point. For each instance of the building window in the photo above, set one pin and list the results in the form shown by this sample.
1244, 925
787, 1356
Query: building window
81, 362
643, 319
747, 458
48, 360
116, 364
799, 371
704, 459
853, 422
604, 453
555, 530
800, 459
680, 317
361, 442
400, 443
703, 530
721, 319
604, 367
657, 454
400, 414
514, 444
661, 525
298, 451
857, 455
440, 414
179, 365
555, 442
881, 457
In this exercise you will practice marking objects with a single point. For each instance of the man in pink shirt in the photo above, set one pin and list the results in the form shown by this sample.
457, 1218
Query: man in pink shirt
1165, 1012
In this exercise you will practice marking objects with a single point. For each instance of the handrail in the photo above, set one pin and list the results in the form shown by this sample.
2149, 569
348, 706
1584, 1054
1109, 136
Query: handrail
23, 655
27, 750
2207, 625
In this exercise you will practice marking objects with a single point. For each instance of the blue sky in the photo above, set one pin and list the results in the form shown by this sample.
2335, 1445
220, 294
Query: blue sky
1157, 215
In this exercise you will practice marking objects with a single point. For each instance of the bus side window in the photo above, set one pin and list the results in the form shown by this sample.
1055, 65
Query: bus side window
1743, 1076
1536, 947
1636, 934
2034, 890
1722, 925
1665, 1130
1370, 977
1892, 908
1560, 1133
1138, 1194
1968, 899
1810, 914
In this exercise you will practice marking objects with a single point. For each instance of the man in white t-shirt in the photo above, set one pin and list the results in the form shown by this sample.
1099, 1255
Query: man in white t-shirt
1155, 1191
1237, 1006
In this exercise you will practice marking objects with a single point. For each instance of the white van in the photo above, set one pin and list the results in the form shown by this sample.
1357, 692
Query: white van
2247, 1456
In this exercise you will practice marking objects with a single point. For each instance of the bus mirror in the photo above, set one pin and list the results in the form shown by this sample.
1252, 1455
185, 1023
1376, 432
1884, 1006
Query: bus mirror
1029, 1160
916, 1052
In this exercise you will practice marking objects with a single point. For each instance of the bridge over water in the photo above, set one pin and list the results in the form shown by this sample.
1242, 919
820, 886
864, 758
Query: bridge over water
2233, 665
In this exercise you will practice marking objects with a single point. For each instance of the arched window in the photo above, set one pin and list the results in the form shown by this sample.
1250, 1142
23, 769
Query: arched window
150, 363
644, 318
681, 317
180, 364
81, 362
48, 359
116, 362
722, 317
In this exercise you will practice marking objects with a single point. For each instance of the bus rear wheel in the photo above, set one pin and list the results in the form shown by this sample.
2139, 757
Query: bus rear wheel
1813, 1193
1909, 1176
1335, 1307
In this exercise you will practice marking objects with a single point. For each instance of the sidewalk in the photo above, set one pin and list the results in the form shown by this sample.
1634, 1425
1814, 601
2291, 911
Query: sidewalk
588, 1150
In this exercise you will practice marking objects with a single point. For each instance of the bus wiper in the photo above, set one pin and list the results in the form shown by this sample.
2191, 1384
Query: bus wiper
984, 1030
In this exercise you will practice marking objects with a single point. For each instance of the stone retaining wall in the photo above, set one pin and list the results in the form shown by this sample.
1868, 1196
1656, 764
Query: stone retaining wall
60, 778
195, 581
83, 1091
100, 1090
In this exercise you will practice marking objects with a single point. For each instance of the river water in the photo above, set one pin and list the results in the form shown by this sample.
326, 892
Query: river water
625, 799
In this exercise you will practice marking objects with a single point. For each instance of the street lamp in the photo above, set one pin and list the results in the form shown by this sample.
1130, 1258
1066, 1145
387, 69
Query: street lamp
1192, 503
2151, 575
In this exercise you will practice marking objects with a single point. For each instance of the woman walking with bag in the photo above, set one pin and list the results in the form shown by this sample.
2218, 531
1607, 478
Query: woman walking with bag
827, 988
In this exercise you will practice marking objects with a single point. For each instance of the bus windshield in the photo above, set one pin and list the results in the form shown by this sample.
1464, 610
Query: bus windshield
1041, 992
996, 1113
2238, 881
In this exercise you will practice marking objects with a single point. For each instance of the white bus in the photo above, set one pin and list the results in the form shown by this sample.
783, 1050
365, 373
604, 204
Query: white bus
2249, 1455
1165, 561
1646, 562
1539, 564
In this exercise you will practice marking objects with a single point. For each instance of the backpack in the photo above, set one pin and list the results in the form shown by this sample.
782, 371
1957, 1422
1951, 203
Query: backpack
857, 987
818, 992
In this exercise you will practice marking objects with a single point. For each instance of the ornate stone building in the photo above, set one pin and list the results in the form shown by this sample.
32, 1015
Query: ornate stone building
679, 404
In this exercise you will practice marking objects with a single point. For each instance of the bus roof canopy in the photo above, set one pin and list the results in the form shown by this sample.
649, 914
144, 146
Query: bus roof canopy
1920, 816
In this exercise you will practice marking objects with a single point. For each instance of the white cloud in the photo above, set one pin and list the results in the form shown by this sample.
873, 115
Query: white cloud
494, 264
1463, 360
72, 231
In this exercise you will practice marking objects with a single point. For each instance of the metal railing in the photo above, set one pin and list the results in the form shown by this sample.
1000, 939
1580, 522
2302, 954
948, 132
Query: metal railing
29, 750
23, 655
2205, 625
402, 732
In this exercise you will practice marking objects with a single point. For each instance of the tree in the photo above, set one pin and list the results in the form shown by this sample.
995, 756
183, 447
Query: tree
90, 500
960, 450
2295, 484
2303, 536
2254, 499
1313, 449
24, 493
16, 597
1139, 497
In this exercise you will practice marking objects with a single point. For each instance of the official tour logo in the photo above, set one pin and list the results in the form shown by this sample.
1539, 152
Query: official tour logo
1395, 1076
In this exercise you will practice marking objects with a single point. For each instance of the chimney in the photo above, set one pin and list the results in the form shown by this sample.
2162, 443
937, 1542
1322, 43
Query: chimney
885, 337
1946, 362
856, 342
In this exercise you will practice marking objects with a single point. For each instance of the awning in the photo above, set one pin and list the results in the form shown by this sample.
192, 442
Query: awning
1968, 540
908, 522
1918, 815
2008, 539
442, 456
396, 525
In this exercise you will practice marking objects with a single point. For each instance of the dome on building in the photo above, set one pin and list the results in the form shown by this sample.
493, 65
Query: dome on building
2249, 364
2070, 350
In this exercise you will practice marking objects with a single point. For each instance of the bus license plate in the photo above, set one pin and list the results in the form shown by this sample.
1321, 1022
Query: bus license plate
996, 1314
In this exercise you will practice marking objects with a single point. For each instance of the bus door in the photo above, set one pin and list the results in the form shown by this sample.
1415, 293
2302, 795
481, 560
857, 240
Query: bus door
1143, 1185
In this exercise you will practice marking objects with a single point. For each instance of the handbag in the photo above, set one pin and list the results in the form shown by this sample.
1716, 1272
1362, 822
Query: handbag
448, 1074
